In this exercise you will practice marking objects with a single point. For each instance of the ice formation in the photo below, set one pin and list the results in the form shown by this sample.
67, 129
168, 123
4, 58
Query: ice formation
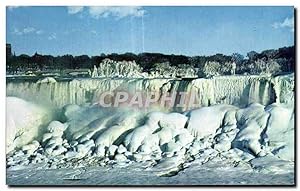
24, 122
166, 140
233, 90
108, 68
130, 69
247, 120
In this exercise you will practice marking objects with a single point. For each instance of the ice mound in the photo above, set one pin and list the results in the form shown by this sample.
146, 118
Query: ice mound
25, 122
207, 120
251, 123
159, 129
165, 142
280, 130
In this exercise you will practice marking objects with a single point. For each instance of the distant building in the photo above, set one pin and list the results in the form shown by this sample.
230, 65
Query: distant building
8, 51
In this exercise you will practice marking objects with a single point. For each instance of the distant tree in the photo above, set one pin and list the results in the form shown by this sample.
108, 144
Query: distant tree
219, 58
237, 58
269, 54
252, 55
82, 61
65, 62
263, 66
210, 69
23, 61
226, 68
217, 64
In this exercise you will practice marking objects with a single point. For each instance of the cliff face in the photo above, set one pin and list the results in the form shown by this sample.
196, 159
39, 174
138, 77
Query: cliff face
234, 90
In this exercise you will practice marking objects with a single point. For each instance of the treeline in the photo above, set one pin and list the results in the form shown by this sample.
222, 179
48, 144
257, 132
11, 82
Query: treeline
268, 61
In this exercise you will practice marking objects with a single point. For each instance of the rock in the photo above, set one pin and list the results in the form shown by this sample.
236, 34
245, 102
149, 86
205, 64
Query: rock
71, 154
100, 151
139, 157
73, 143
120, 158
83, 149
121, 149
172, 147
30, 148
66, 144
58, 150
112, 150
128, 154
55, 141
228, 128
56, 127
46, 137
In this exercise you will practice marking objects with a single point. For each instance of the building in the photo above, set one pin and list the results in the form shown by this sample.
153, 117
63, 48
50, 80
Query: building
8, 51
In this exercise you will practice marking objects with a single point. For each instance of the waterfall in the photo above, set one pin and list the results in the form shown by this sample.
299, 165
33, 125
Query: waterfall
284, 88
235, 90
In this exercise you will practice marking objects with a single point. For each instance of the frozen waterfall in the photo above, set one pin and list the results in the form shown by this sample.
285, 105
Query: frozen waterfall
234, 90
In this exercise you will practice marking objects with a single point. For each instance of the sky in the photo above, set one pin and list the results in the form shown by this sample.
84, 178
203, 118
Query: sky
188, 31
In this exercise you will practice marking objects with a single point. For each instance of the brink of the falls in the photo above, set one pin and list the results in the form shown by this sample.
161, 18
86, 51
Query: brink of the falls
234, 90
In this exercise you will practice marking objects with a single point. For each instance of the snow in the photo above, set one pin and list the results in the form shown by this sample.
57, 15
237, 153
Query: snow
217, 144
207, 120
108, 131
46, 80
218, 172
280, 130
25, 122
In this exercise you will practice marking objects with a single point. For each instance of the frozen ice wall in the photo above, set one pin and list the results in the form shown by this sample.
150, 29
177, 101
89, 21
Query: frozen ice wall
284, 88
234, 90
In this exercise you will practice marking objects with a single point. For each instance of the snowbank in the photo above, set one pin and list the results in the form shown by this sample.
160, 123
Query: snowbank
25, 122
166, 140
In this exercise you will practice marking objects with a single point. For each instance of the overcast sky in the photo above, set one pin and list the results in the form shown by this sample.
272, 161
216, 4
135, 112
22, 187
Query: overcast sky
171, 30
